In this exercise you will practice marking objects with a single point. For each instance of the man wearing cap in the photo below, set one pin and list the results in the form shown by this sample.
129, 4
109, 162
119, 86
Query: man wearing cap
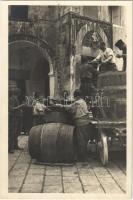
122, 46
14, 119
106, 58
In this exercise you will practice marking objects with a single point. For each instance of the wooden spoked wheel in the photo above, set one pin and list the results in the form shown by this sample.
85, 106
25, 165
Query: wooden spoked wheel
103, 148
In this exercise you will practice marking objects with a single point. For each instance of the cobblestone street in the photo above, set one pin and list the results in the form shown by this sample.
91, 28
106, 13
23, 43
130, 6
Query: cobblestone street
27, 177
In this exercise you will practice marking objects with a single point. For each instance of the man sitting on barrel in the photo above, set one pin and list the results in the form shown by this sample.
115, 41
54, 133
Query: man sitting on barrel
80, 114
106, 58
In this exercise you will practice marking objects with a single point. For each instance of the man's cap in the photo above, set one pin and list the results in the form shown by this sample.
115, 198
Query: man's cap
118, 43
77, 93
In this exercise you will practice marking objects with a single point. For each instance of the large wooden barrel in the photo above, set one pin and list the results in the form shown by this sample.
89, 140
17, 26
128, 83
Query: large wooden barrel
52, 142
34, 141
113, 85
53, 117
58, 117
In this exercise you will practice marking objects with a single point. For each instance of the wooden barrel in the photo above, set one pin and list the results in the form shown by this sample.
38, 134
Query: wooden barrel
111, 79
34, 141
53, 117
58, 117
54, 142
113, 85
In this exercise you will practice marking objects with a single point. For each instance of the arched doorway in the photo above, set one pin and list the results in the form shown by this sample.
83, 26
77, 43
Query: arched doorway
40, 78
30, 66
84, 47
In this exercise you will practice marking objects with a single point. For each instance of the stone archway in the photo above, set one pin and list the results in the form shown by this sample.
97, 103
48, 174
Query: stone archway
82, 50
82, 33
26, 53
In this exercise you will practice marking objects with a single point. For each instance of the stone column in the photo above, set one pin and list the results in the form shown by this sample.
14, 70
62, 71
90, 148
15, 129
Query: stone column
51, 83
72, 81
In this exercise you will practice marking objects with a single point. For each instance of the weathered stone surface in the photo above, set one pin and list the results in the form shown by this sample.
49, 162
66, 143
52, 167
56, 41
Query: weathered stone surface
69, 171
89, 180
32, 188
13, 189
122, 183
53, 171
91, 177
109, 185
52, 180
93, 189
52, 189
35, 172
15, 181
74, 187
36, 179
70, 179
101, 172
115, 171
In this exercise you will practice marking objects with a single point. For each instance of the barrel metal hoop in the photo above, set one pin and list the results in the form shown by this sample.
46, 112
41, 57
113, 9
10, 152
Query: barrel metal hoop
58, 137
43, 128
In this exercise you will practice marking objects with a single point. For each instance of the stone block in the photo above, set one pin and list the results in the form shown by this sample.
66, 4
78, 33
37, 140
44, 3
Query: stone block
73, 187
52, 189
93, 189
31, 188
52, 180
89, 180
36, 179
110, 186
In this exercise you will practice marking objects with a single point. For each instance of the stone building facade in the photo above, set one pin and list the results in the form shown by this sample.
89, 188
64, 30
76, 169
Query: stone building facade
46, 44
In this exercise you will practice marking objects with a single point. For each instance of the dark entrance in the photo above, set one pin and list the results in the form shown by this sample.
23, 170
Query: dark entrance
28, 68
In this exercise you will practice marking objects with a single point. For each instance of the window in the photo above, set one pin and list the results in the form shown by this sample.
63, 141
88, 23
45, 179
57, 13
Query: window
19, 13
116, 15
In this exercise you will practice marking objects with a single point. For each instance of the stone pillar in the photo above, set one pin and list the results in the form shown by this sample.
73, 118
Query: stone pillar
72, 78
51, 84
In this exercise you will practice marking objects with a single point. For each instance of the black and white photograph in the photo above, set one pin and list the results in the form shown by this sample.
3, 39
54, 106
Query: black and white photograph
67, 98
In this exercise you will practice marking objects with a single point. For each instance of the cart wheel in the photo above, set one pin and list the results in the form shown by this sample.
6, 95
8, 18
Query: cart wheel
103, 148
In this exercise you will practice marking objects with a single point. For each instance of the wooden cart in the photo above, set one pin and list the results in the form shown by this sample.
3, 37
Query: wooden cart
110, 119
111, 137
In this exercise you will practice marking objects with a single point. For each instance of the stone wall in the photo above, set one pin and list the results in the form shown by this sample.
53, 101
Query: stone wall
62, 32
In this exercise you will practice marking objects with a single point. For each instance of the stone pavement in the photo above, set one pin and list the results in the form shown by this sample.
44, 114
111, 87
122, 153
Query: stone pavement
27, 177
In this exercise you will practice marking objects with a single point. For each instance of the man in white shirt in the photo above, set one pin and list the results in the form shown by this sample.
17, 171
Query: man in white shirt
80, 114
106, 58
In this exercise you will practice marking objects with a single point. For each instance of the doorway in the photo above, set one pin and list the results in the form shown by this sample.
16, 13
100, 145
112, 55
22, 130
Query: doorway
40, 78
